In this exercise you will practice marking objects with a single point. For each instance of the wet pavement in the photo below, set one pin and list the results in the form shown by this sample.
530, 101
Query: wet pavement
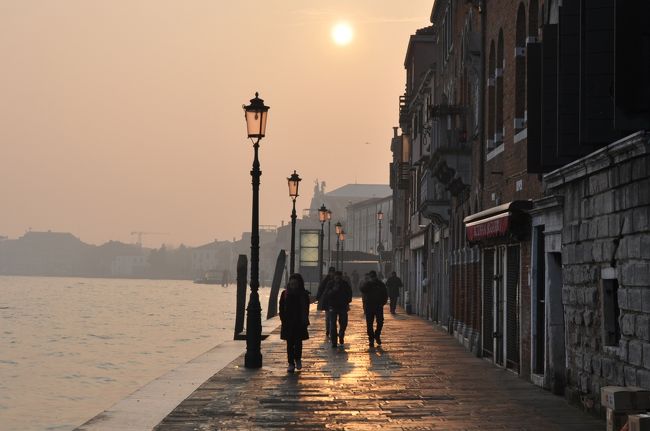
419, 379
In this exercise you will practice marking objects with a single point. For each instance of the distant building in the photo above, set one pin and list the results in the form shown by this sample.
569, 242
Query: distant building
129, 266
362, 225
45, 253
214, 256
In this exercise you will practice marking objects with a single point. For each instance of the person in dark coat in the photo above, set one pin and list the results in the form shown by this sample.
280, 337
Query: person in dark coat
393, 284
294, 315
355, 279
321, 294
338, 303
376, 297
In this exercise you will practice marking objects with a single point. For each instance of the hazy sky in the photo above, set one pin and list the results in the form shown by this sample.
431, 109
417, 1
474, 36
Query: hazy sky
125, 115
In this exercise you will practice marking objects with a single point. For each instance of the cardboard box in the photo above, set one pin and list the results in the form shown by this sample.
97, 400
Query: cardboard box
617, 420
639, 422
617, 398
625, 399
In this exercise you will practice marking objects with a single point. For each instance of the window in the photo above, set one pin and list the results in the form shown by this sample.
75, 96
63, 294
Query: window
498, 78
611, 332
490, 99
520, 70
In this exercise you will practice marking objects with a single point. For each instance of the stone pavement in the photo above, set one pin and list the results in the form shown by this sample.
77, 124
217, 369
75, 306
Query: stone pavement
421, 378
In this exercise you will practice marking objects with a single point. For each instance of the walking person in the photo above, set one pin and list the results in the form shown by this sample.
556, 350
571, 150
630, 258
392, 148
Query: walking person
366, 279
355, 280
294, 315
338, 303
393, 284
376, 297
321, 295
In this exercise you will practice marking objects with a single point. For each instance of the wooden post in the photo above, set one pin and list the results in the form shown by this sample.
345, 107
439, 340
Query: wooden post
242, 270
272, 309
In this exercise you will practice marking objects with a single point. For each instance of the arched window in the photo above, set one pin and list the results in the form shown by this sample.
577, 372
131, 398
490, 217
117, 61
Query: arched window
498, 78
490, 99
520, 70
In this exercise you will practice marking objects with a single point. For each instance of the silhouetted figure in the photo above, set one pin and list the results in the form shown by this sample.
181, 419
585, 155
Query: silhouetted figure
366, 279
346, 277
337, 301
376, 298
322, 293
393, 284
294, 315
355, 279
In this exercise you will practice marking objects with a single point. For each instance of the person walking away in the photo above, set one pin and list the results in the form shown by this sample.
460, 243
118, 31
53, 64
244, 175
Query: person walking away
321, 295
366, 279
393, 284
355, 280
294, 315
347, 279
376, 298
338, 303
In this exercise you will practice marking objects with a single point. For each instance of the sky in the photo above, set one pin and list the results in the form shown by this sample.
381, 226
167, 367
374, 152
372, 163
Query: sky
126, 115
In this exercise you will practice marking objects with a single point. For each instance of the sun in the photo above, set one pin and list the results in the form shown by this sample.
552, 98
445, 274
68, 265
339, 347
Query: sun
342, 33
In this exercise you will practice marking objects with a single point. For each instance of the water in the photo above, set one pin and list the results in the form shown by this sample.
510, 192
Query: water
72, 347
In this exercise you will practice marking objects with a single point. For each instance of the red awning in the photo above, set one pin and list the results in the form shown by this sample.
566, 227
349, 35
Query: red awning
499, 221
488, 228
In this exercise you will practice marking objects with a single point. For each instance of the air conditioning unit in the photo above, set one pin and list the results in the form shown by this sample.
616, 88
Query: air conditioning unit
520, 123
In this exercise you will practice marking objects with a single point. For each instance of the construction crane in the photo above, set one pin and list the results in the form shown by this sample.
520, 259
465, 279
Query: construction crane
140, 233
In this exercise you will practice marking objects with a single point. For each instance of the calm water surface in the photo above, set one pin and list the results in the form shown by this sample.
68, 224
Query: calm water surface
72, 347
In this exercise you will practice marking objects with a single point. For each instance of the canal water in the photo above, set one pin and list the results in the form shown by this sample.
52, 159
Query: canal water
72, 347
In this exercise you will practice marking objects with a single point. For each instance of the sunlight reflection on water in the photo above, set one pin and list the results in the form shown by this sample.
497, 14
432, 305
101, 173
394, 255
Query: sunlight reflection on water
70, 348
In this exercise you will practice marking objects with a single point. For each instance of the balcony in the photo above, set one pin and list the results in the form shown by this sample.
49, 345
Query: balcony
434, 201
403, 176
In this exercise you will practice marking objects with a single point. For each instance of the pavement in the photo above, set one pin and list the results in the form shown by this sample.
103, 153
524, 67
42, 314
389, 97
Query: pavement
419, 379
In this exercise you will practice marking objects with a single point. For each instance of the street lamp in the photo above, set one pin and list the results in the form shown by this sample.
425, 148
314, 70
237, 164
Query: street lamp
294, 182
342, 238
256, 115
329, 237
338, 228
380, 245
322, 217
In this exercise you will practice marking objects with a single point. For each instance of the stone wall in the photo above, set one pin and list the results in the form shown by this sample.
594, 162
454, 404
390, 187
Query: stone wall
606, 235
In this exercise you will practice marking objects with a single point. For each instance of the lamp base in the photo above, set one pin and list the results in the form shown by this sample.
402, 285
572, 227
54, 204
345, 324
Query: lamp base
253, 360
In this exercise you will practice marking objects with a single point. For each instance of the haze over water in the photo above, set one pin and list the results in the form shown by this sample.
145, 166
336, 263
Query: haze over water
122, 116
72, 347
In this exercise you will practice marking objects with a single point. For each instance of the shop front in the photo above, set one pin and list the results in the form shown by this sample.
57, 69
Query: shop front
502, 233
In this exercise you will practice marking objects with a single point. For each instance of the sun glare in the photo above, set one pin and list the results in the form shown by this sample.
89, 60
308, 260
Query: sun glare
342, 33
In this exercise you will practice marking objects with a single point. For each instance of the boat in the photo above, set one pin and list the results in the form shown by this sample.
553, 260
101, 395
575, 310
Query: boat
210, 277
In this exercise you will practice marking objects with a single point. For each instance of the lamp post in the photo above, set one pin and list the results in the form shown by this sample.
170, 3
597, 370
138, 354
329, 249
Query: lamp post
256, 115
338, 228
380, 245
322, 217
342, 238
294, 182
329, 237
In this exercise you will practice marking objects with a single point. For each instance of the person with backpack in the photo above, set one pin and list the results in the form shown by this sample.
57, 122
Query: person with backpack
393, 284
337, 302
294, 315
376, 297
321, 294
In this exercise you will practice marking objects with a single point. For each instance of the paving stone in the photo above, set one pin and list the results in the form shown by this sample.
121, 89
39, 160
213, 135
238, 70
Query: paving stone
419, 379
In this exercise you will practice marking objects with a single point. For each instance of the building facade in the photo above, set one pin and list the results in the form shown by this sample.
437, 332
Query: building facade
507, 109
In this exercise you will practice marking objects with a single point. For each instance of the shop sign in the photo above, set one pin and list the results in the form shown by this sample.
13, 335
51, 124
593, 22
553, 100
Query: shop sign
492, 227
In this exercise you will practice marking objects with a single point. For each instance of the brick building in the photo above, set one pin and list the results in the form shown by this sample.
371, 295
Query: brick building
498, 94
